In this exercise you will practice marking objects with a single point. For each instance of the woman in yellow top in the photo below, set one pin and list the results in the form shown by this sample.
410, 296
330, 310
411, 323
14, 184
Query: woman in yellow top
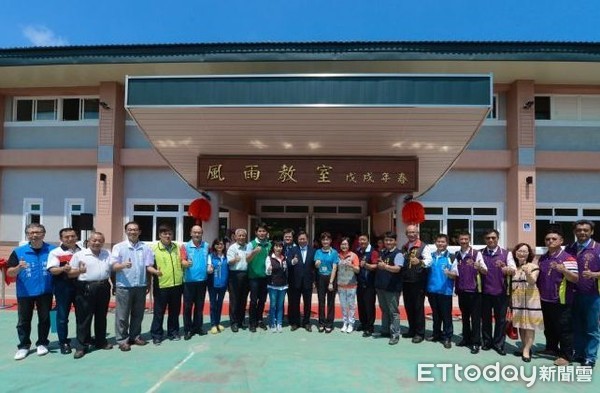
526, 306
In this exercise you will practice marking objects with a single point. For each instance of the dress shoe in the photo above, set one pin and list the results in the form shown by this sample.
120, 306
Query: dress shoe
475, 349
447, 344
417, 339
394, 340
462, 343
500, 351
359, 328
367, 333
187, 336
106, 346
308, 328
252, 329
321, 329
65, 349
175, 337
124, 347
261, 324
408, 335
139, 341
526, 359
588, 363
561, 362
201, 332
79, 353
328, 330
433, 339
293, 328
235, 328
486, 347
157, 341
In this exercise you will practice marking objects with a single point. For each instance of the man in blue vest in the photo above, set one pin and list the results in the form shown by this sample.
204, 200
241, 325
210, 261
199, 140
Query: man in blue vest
194, 283
28, 263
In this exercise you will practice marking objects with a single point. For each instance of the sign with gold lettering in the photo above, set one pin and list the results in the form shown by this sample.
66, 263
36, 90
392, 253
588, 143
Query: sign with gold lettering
299, 173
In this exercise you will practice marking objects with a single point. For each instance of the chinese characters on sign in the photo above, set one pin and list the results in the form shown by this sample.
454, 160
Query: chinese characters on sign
388, 174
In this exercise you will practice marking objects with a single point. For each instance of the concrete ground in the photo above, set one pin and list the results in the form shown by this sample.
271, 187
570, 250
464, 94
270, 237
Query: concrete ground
273, 362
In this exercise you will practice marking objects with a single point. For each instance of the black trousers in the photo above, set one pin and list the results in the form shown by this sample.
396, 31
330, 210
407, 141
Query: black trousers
558, 328
238, 296
194, 294
413, 294
326, 298
91, 302
366, 296
294, 296
25, 307
258, 297
166, 298
470, 309
441, 306
498, 304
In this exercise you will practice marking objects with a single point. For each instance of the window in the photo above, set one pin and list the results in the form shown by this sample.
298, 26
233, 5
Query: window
53, 109
494, 110
542, 108
32, 212
453, 219
563, 217
73, 209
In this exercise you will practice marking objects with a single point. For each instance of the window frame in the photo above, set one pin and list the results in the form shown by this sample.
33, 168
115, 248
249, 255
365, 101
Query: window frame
28, 211
69, 203
58, 110
569, 237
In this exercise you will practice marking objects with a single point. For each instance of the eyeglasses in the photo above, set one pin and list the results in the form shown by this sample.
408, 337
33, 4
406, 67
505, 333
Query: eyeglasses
491, 237
548, 239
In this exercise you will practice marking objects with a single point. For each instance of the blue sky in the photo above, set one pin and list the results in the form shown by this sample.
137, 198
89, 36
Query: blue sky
69, 22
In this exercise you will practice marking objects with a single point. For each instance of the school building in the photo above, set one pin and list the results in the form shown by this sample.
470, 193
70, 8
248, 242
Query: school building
315, 136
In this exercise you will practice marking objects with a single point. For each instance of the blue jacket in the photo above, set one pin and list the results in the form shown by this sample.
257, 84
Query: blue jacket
36, 279
220, 275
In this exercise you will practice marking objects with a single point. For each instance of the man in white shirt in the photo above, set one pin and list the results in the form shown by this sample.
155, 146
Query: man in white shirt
238, 280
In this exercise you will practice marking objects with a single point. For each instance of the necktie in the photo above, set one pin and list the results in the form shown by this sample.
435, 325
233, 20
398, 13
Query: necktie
303, 251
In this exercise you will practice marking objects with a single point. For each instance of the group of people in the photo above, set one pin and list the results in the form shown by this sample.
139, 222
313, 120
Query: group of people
560, 293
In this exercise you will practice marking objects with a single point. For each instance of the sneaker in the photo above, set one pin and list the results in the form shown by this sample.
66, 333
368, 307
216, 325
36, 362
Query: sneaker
273, 329
41, 350
350, 328
21, 354
394, 340
214, 330
221, 328
280, 328
156, 341
65, 349
343, 329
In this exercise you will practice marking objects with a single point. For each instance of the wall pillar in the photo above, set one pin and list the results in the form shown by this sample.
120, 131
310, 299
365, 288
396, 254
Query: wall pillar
400, 226
110, 175
211, 227
520, 194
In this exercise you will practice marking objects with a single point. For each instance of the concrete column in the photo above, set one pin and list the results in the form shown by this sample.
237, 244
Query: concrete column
110, 176
211, 227
520, 199
400, 226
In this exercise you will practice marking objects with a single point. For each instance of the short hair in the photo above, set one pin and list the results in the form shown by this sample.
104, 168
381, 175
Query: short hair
556, 230
289, 230
443, 236
346, 239
389, 235
325, 235
278, 243
261, 225
162, 228
464, 233
241, 230
96, 233
131, 223
584, 222
300, 233
529, 249
35, 225
490, 231
68, 229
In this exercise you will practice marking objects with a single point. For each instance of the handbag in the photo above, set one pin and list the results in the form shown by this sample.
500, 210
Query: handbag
511, 331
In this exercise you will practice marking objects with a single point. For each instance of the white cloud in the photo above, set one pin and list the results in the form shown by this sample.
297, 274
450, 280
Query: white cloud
43, 36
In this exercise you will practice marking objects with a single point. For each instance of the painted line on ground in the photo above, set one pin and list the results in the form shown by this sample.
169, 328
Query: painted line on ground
168, 375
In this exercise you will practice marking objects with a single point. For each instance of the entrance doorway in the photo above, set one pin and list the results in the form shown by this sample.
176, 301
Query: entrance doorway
340, 218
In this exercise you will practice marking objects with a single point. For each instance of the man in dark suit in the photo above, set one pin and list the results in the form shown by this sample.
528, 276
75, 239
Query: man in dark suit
301, 276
